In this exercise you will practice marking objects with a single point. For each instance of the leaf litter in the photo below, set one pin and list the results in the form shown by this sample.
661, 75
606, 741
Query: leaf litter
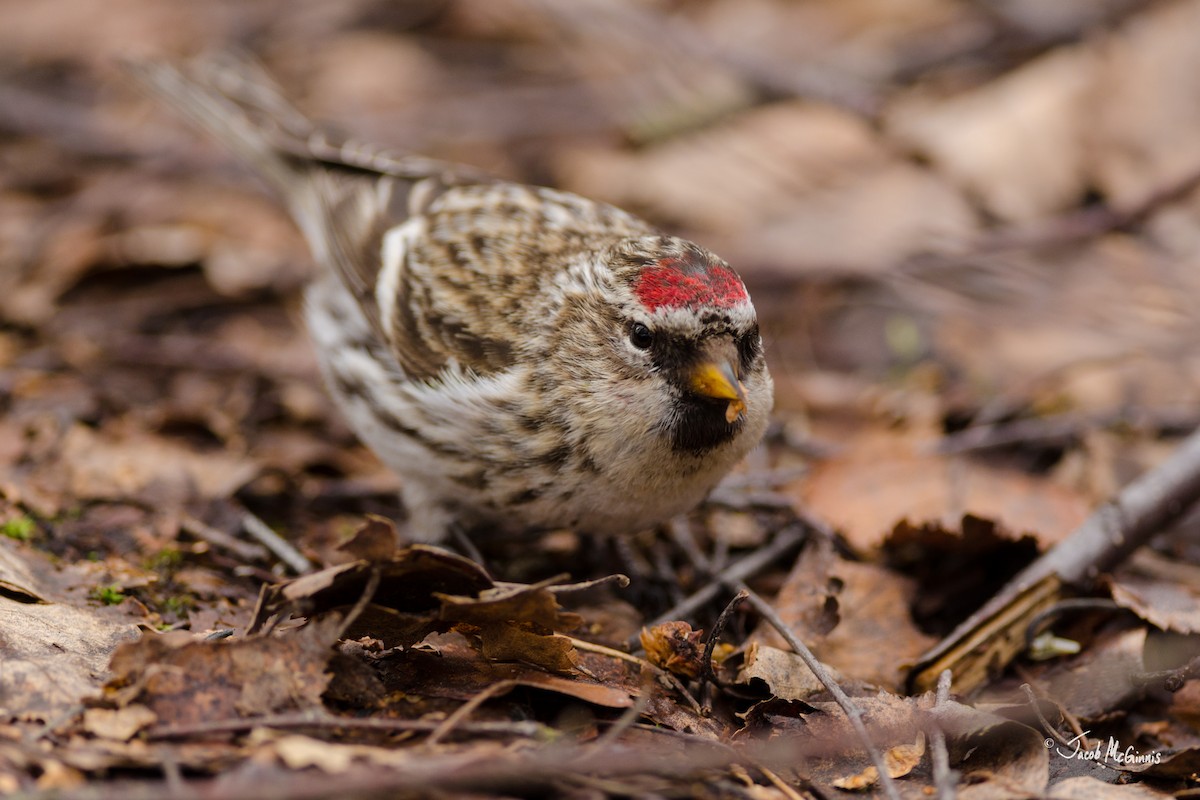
957, 222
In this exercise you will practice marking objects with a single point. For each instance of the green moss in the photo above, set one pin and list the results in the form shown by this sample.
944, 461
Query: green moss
165, 560
110, 595
178, 605
21, 528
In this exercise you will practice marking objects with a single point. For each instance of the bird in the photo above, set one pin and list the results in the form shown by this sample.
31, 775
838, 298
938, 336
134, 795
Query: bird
523, 358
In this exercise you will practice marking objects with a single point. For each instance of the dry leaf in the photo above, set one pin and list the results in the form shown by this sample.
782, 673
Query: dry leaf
854, 616
184, 680
675, 647
120, 724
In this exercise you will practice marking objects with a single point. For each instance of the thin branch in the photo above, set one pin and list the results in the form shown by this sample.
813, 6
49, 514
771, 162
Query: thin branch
271, 540
1064, 606
531, 730
943, 778
1142, 509
220, 539
853, 712
462, 712
627, 718
1058, 428
1172, 679
1036, 706
786, 540
780, 784
676, 684
368, 594
708, 673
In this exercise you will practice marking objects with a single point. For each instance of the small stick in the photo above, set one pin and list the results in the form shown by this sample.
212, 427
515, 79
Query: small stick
271, 540
779, 783
853, 712
530, 730
1045, 723
708, 673
788, 538
676, 684
1145, 507
627, 718
219, 538
462, 712
943, 778
368, 594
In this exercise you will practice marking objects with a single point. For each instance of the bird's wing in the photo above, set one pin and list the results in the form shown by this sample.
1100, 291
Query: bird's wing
471, 279
439, 257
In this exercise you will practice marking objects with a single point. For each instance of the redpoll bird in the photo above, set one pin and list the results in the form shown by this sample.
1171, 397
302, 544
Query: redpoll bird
521, 357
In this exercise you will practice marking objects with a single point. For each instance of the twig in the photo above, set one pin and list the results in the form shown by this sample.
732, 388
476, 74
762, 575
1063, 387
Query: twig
853, 712
943, 778
739, 499
592, 647
1172, 679
364, 599
464, 544
681, 533
1005, 38
462, 712
676, 684
1041, 430
784, 541
1058, 428
627, 718
779, 783
271, 540
1064, 606
218, 538
708, 673
527, 729
1145, 507
527, 771
1087, 223
1036, 705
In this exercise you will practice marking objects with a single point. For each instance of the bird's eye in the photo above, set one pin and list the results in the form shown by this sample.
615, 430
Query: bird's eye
640, 336
750, 346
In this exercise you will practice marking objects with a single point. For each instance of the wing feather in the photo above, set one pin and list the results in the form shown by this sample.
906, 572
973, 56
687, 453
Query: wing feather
437, 256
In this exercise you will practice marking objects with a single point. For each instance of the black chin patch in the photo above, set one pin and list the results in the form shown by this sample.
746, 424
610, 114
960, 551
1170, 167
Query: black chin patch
701, 426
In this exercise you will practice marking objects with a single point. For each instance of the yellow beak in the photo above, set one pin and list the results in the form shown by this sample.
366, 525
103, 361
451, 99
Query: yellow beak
718, 380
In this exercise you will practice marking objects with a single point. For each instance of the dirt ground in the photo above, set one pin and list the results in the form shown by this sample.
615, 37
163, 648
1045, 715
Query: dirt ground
972, 232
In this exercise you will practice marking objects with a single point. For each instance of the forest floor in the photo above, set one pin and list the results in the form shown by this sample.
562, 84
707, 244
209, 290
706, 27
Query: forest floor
971, 229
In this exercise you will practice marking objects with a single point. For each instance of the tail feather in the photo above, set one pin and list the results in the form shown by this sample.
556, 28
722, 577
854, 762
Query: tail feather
235, 102
343, 195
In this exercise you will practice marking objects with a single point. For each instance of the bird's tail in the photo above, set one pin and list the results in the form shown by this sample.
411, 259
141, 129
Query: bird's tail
233, 99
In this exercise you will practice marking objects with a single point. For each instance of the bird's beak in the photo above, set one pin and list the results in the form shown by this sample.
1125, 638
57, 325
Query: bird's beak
718, 380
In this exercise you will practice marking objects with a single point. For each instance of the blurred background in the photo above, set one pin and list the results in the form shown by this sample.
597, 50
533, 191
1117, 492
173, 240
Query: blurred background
952, 214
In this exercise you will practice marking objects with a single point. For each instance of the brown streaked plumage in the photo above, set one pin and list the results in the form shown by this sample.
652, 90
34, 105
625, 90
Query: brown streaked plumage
520, 356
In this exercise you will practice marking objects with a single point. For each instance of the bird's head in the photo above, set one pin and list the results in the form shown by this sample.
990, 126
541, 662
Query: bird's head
681, 325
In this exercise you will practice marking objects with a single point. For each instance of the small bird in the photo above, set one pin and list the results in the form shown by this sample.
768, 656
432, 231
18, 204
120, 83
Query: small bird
523, 358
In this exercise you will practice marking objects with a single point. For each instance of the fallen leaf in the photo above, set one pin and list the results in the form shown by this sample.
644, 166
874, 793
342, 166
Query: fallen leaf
1164, 592
374, 542
458, 670
185, 681
54, 653
675, 647
516, 622
854, 616
785, 673
903, 483
120, 724
1013, 142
